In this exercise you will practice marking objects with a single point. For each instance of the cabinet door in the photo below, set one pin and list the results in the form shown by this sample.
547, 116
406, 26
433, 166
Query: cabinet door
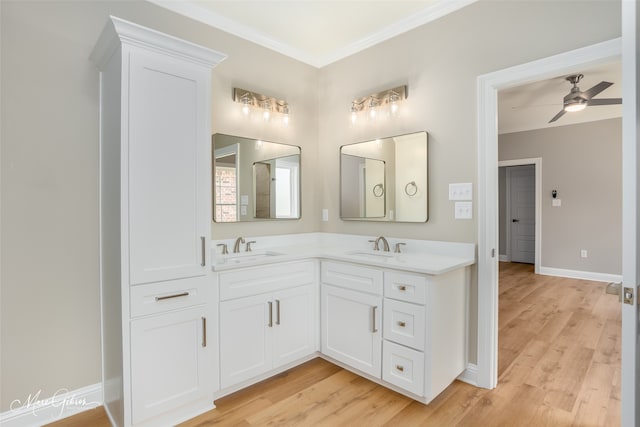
294, 324
167, 168
245, 342
169, 363
351, 328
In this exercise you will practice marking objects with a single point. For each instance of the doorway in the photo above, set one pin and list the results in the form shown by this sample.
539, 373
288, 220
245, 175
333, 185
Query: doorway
526, 231
488, 86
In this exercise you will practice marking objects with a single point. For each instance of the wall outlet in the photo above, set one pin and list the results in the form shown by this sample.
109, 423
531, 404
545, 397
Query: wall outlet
325, 215
583, 253
463, 210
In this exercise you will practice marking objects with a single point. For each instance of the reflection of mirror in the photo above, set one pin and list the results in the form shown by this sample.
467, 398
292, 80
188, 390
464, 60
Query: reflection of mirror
362, 187
385, 179
255, 180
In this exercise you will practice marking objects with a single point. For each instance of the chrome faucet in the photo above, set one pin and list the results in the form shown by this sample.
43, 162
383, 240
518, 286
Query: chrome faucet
376, 244
236, 245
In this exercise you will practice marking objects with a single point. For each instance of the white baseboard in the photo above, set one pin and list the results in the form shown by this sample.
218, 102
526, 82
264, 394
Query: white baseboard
35, 410
470, 375
503, 258
584, 275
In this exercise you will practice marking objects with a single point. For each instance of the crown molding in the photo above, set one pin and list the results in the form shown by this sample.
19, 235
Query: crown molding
200, 14
194, 11
415, 20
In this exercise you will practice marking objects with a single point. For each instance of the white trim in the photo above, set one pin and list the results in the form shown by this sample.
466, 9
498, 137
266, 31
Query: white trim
470, 375
537, 162
36, 411
431, 13
630, 349
487, 107
583, 275
504, 258
192, 10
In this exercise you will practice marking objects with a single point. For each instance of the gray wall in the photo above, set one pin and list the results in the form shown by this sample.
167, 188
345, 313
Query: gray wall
49, 146
50, 310
584, 164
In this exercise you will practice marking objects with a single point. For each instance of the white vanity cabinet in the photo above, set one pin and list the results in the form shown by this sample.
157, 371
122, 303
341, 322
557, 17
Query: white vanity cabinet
351, 305
408, 330
267, 319
155, 210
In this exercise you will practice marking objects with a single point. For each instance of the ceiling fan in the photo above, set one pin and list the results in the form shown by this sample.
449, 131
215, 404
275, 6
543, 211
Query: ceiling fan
578, 100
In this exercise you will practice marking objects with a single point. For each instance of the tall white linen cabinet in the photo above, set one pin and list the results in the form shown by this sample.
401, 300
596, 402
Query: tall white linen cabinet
155, 225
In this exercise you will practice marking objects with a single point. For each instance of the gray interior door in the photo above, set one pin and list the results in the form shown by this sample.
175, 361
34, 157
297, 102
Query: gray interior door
522, 212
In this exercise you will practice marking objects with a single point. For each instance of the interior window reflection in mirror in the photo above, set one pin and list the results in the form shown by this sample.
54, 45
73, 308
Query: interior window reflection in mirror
385, 179
255, 180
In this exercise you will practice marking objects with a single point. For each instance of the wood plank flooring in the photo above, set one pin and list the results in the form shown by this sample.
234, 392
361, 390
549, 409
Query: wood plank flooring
559, 365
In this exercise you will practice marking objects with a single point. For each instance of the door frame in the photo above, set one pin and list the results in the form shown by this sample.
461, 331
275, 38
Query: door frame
488, 86
537, 163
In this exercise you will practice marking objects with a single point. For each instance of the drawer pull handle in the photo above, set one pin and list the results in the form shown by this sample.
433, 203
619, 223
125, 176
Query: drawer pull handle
400, 368
181, 294
277, 312
203, 261
402, 288
270, 324
402, 324
204, 331
373, 319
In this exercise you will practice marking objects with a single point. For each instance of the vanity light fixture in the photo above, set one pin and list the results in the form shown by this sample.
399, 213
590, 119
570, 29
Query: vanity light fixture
387, 100
267, 105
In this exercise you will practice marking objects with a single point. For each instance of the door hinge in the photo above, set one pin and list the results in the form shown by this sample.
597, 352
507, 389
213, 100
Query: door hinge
627, 296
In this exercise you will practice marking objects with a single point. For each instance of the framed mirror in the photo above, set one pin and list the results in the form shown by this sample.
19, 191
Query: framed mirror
385, 179
255, 180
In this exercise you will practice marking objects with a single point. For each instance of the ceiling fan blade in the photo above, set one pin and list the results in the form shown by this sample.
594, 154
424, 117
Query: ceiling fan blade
605, 101
588, 94
557, 116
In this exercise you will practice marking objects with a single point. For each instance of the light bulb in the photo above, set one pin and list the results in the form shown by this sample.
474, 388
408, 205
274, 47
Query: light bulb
285, 118
266, 114
245, 108
372, 109
354, 114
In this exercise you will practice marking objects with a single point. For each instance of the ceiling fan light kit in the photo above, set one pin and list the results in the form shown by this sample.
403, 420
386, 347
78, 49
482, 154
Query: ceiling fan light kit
578, 100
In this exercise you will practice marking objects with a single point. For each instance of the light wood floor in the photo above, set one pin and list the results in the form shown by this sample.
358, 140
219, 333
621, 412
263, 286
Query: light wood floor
559, 365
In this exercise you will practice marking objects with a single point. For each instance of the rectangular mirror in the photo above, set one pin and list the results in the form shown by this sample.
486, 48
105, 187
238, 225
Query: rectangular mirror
255, 180
385, 179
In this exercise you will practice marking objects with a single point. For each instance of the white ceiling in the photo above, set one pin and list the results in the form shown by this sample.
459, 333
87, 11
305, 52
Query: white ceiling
531, 106
319, 32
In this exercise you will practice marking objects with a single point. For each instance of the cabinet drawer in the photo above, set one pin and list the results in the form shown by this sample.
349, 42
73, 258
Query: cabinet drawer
405, 287
404, 323
263, 279
354, 277
164, 296
403, 367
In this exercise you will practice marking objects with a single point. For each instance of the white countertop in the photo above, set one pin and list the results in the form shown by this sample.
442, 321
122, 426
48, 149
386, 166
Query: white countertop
418, 256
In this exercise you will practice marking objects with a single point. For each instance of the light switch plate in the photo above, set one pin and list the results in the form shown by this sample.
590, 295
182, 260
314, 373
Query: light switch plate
556, 203
461, 191
243, 210
325, 214
464, 210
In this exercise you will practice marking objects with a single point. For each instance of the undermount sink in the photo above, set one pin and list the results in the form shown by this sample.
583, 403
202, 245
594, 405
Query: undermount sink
248, 257
372, 254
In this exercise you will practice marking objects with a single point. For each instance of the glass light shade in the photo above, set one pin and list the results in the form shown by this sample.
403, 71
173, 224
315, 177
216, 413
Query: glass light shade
575, 106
